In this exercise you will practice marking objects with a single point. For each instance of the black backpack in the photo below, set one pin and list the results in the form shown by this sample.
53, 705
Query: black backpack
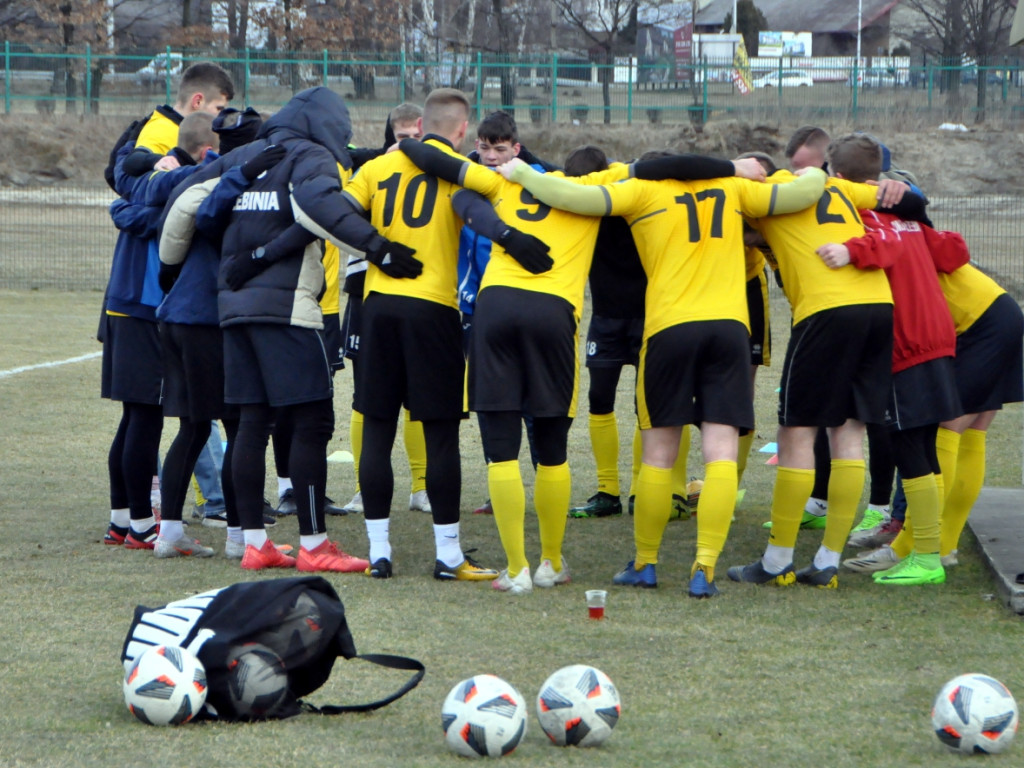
301, 619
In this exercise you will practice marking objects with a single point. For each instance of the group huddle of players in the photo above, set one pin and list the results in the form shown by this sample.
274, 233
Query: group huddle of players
891, 326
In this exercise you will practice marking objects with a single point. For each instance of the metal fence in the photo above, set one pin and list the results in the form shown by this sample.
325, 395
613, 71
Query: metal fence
61, 238
555, 89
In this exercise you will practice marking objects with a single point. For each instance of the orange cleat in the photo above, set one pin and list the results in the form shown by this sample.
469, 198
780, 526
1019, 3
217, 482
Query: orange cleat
327, 557
267, 556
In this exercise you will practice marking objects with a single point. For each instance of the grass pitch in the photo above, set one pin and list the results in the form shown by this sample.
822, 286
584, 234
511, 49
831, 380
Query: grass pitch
758, 676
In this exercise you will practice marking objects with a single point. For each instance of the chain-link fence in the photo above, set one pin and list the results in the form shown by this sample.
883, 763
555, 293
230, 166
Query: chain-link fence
61, 238
556, 88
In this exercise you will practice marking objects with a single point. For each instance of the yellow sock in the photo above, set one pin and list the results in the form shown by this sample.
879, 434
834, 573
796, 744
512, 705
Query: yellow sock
679, 478
638, 454
552, 491
355, 436
923, 502
845, 486
416, 448
947, 445
200, 499
966, 485
792, 490
653, 504
904, 541
508, 499
746, 441
714, 513
604, 437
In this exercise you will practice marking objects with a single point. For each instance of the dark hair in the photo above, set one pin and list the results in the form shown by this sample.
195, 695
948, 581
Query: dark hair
236, 128
656, 154
498, 126
764, 159
584, 160
207, 78
806, 135
856, 155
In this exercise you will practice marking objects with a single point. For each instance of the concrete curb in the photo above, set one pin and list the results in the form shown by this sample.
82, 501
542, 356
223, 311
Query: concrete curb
997, 521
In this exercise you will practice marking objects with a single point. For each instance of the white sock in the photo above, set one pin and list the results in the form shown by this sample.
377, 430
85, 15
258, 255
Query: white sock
235, 535
143, 525
380, 542
816, 507
311, 542
283, 484
826, 558
120, 517
776, 558
171, 530
255, 537
446, 541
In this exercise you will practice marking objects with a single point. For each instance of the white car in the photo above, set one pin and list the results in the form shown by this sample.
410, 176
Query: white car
786, 78
156, 71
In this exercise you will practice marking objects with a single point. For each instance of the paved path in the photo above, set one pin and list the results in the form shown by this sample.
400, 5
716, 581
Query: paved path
998, 523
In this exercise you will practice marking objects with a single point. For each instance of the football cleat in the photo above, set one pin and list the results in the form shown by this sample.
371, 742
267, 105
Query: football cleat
286, 504
267, 556
183, 547
913, 570
145, 540
520, 584
419, 502
884, 535
756, 574
824, 578
880, 559
601, 504
546, 576
950, 560
330, 508
629, 576
699, 586
468, 570
327, 557
809, 522
680, 509
356, 505
379, 569
115, 535
235, 550
484, 509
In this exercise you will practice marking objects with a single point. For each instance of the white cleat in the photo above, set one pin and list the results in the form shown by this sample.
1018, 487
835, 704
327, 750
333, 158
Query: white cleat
546, 576
418, 502
522, 584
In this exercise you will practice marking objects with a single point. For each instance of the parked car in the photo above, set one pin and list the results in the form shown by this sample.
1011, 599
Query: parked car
992, 76
786, 78
873, 77
156, 71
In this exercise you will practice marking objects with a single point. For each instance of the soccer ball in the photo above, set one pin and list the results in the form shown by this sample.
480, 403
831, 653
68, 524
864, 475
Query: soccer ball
257, 680
578, 706
975, 713
166, 685
483, 717
298, 633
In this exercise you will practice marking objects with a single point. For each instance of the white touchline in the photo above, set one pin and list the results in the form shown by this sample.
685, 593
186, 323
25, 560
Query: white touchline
54, 364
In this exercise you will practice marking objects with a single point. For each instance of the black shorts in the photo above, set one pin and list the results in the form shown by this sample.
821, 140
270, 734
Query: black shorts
989, 359
838, 366
275, 364
696, 372
412, 357
132, 369
760, 327
524, 353
334, 341
923, 394
193, 358
613, 342
350, 326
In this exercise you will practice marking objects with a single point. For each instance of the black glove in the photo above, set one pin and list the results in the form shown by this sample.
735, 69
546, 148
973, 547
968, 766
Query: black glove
530, 252
240, 268
168, 275
266, 159
395, 260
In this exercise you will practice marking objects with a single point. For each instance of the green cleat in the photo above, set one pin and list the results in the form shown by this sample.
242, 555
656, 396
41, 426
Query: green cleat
912, 570
601, 504
809, 522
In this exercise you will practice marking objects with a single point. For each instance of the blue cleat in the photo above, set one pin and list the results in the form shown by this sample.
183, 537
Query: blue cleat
700, 587
756, 574
631, 577
824, 578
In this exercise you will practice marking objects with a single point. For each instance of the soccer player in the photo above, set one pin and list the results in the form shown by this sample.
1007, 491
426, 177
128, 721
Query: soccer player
411, 337
923, 391
694, 365
402, 123
845, 317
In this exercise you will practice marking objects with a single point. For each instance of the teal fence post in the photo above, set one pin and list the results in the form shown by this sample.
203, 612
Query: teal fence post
704, 89
401, 79
629, 90
856, 87
248, 64
479, 86
554, 88
88, 79
325, 68
167, 75
931, 84
7, 77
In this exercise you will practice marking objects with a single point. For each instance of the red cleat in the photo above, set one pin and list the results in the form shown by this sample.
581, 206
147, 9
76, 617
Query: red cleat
267, 556
327, 557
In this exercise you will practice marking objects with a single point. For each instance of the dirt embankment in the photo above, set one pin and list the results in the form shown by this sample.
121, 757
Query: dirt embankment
55, 149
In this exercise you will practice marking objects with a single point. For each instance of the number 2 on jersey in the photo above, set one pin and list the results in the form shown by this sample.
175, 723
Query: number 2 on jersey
821, 211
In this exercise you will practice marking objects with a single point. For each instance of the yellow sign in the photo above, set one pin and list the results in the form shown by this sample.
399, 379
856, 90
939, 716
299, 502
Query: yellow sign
741, 69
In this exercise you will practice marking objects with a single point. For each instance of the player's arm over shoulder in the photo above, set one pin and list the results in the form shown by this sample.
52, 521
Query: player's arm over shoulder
564, 193
787, 193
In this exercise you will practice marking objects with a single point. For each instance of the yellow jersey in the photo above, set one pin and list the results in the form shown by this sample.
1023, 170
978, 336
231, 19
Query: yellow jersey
969, 292
160, 133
